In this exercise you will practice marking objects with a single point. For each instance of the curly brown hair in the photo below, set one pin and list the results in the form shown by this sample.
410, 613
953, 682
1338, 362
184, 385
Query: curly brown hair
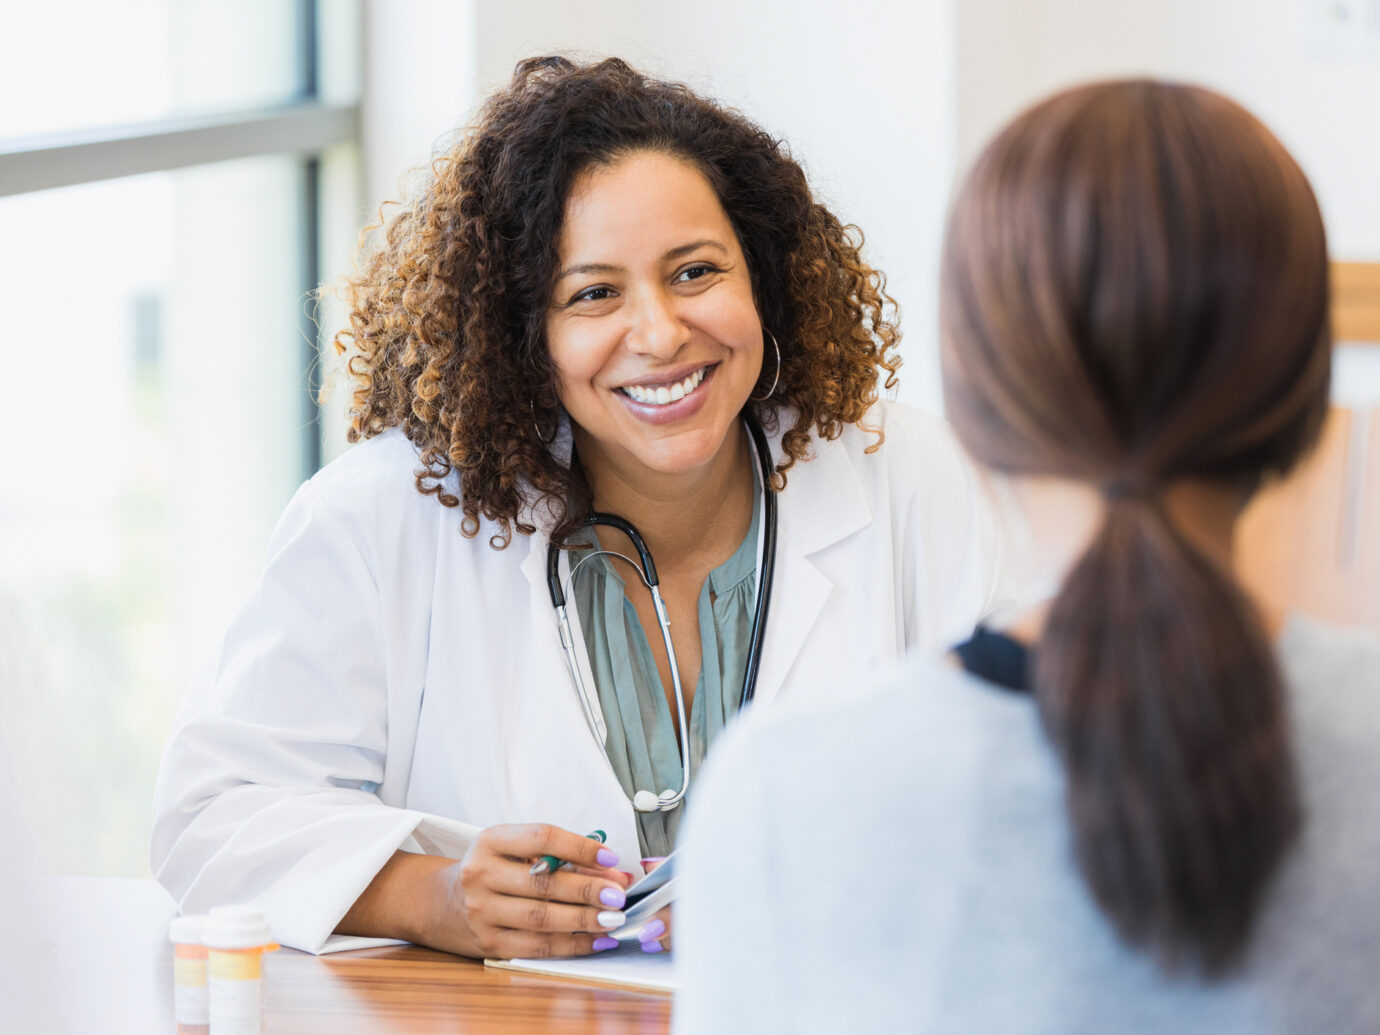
448, 308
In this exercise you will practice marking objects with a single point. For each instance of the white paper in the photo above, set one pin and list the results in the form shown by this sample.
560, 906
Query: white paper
350, 942
626, 965
653, 892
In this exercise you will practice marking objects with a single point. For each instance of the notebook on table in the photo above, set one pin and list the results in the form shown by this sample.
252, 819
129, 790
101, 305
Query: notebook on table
624, 967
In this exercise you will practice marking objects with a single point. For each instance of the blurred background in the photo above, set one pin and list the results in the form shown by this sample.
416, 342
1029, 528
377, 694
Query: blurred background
178, 176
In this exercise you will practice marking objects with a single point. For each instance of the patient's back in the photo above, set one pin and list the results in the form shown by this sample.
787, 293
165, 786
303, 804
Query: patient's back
903, 863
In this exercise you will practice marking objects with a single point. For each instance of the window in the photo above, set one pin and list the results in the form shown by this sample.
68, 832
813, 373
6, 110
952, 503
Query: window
159, 352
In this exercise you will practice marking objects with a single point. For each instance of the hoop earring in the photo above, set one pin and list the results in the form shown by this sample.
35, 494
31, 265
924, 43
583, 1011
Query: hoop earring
777, 379
536, 426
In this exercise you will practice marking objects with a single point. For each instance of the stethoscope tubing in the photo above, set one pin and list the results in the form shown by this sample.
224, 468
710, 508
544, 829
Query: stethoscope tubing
768, 566
646, 801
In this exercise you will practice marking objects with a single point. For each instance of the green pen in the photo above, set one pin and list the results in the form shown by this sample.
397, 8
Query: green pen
550, 864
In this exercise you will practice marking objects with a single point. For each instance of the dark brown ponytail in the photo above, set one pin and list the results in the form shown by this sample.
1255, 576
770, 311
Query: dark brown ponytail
1157, 686
1135, 295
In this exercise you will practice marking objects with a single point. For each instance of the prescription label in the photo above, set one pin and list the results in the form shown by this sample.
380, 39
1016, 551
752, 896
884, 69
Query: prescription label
236, 966
189, 973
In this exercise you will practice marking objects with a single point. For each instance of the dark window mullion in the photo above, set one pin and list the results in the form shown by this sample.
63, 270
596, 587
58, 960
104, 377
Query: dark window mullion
310, 221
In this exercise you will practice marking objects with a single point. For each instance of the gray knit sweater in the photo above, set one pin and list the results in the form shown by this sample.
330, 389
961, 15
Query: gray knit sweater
902, 863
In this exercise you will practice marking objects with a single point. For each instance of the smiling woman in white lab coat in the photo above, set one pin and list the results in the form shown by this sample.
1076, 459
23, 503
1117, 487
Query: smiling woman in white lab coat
609, 285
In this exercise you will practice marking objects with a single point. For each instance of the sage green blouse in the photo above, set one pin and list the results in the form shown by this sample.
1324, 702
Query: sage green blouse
641, 742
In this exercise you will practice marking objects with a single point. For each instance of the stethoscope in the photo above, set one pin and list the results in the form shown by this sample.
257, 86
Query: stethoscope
649, 801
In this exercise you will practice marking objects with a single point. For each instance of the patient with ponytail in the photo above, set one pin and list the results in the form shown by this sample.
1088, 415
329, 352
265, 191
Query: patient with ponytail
1136, 800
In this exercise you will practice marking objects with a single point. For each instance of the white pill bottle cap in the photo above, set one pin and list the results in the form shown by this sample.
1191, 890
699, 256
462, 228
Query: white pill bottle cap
236, 927
187, 930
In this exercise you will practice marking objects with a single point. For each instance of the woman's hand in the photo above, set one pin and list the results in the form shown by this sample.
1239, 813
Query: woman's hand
655, 935
490, 904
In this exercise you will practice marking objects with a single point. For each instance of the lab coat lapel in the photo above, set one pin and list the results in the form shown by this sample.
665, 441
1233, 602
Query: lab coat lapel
799, 592
822, 503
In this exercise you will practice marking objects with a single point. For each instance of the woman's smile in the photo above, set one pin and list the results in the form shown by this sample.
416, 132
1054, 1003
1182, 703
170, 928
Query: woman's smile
667, 389
666, 401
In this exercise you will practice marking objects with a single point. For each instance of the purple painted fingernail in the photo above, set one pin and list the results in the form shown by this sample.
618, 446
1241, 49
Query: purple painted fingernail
652, 931
605, 943
613, 897
651, 946
607, 858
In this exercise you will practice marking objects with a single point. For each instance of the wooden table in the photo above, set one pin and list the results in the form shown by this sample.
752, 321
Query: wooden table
108, 938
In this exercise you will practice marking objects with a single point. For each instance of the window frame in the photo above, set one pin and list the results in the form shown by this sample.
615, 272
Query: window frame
304, 126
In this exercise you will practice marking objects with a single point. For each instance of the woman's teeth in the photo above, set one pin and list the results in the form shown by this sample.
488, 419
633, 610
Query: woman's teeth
662, 395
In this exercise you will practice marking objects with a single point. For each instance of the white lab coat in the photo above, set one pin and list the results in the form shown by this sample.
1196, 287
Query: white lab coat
391, 684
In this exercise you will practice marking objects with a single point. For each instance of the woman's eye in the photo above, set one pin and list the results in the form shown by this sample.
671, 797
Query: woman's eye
592, 294
696, 272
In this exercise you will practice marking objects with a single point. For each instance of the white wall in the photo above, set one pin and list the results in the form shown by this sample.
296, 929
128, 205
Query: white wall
1309, 68
419, 84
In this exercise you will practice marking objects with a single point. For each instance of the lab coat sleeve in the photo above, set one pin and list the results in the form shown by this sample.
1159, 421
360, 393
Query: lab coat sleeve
265, 794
